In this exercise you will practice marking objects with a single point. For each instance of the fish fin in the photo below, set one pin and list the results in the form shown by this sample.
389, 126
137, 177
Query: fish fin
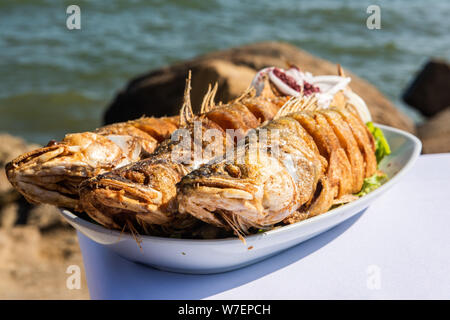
311, 104
205, 100
186, 113
208, 99
267, 91
285, 108
233, 226
295, 104
213, 96
340, 71
248, 93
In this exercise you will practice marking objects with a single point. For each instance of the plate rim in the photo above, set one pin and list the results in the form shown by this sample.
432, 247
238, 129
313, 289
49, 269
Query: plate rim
417, 147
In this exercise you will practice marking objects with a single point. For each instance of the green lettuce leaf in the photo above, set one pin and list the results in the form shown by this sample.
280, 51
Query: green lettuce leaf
382, 149
371, 183
381, 145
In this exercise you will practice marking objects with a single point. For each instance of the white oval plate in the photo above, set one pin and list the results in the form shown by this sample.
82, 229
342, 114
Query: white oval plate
213, 256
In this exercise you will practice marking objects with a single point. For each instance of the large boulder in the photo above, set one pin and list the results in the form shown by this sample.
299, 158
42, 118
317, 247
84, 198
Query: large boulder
429, 91
435, 133
160, 92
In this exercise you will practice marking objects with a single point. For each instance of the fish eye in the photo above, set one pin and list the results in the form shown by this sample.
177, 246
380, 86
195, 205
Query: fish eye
233, 170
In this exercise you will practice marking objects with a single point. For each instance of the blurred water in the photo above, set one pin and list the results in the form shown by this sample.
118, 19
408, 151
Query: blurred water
56, 81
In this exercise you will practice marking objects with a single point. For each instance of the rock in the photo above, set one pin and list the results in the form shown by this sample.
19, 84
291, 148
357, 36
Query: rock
435, 133
10, 148
429, 91
24, 239
45, 216
33, 264
231, 79
9, 214
36, 246
160, 92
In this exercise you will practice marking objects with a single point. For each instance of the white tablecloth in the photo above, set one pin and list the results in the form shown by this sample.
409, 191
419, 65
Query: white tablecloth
399, 248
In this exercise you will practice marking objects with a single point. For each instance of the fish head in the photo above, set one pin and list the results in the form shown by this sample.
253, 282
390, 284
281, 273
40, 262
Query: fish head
240, 196
142, 192
53, 173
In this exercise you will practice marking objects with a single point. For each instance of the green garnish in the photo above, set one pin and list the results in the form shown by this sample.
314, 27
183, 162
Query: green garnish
372, 183
382, 149
381, 145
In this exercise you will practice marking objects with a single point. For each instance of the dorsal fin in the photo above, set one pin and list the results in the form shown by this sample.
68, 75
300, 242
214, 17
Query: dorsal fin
295, 104
186, 113
267, 91
213, 96
205, 100
208, 99
340, 71
311, 104
249, 92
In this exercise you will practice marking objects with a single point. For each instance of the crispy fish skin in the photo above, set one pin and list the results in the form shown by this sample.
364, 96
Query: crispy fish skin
304, 180
130, 192
255, 193
53, 173
145, 192
115, 194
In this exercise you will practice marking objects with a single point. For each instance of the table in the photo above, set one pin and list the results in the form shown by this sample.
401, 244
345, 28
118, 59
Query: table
398, 248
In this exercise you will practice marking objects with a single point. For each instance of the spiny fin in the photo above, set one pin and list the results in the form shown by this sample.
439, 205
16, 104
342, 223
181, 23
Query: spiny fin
205, 100
267, 91
186, 113
213, 96
296, 104
311, 104
208, 99
340, 71
249, 92
233, 226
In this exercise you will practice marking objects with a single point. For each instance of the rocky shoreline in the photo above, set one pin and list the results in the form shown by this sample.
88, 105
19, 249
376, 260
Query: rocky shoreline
36, 246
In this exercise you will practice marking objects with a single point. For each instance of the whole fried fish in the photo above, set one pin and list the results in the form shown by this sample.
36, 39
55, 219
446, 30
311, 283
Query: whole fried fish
145, 192
324, 156
53, 173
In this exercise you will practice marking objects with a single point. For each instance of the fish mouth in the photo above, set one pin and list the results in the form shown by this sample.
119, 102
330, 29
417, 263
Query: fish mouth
24, 161
218, 183
132, 193
213, 199
36, 193
38, 181
112, 200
